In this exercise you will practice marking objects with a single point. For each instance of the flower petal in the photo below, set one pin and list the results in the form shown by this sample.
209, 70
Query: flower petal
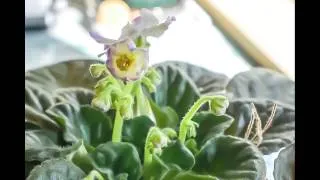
142, 56
158, 30
107, 35
96, 36
129, 31
102, 40
122, 47
145, 20
145, 53
142, 59
131, 45
136, 68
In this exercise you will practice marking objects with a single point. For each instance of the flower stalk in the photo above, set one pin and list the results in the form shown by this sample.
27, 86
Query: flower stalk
126, 69
186, 125
117, 128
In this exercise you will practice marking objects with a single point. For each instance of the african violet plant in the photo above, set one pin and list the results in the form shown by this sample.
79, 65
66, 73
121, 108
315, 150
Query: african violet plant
127, 120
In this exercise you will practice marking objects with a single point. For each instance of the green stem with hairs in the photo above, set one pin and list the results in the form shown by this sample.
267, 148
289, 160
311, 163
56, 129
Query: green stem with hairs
139, 98
187, 118
117, 128
118, 122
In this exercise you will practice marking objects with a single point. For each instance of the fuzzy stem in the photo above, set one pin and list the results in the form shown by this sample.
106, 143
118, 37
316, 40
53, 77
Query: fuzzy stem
117, 128
187, 118
139, 95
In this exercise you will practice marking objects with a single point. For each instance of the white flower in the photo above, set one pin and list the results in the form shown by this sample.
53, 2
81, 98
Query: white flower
144, 25
128, 55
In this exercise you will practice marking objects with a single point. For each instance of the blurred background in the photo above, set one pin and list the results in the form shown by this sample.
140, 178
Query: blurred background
224, 36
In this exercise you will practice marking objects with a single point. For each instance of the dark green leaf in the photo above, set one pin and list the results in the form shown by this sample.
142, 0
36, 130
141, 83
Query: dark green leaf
28, 166
78, 154
228, 157
262, 83
135, 131
165, 116
37, 98
122, 176
178, 154
41, 145
94, 175
208, 82
56, 169
191, 144
118, 158
193, 176
170, 174
176, 89
36, 102
39, 119
282, 130
156, 169
284, 165
30, 126
84, 122
63, 74
210, 125
162, 171
75, 96
43, 84
190, 176
178, 174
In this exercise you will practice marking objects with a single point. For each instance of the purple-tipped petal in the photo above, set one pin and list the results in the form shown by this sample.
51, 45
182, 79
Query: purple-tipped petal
145, 20
137, 20
131, 45
109, 53
128, 32
148, 18
96, 36
157, 31
146, 25
102, 40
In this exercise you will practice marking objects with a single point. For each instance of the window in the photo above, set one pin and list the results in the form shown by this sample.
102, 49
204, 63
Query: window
265, 29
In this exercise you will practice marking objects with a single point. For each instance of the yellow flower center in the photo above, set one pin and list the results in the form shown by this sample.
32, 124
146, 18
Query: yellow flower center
124, 61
